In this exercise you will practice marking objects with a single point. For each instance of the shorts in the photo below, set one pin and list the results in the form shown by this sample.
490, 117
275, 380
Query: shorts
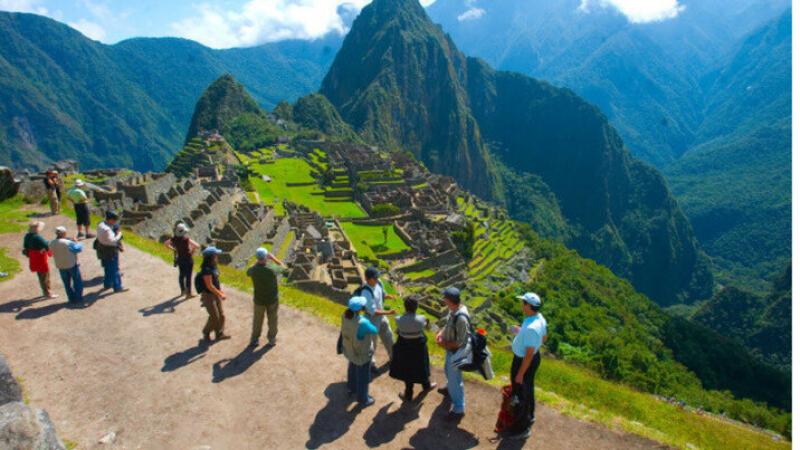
82, 214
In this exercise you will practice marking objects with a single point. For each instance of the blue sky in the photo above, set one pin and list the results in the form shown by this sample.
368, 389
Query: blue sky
237, 23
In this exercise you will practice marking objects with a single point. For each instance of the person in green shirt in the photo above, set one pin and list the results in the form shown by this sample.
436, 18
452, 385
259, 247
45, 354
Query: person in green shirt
265, 296
80, 201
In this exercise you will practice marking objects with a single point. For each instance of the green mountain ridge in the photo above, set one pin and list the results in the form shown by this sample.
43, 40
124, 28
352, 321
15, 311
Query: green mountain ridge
126, 105
395, 72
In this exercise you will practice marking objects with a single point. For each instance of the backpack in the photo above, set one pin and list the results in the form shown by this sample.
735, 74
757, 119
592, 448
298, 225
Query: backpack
199, 284
479, 357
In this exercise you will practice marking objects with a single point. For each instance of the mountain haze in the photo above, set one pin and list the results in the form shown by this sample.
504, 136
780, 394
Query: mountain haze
400, 81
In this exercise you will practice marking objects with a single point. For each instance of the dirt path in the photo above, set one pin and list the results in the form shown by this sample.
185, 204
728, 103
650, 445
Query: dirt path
130, 363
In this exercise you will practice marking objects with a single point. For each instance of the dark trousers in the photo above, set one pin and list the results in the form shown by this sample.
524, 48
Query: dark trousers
111, 278
409, 394
358, 378
526, 411
73, 283
185, 267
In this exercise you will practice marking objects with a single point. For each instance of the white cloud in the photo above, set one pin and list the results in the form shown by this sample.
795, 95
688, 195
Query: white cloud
29, 6
471, 14
259, 21
639, 11
92, 30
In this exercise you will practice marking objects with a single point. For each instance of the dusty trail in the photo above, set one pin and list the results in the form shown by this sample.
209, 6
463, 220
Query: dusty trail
130, 363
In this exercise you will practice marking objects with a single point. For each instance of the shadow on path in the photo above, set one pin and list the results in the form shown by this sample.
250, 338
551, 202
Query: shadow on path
334, 419
37, 313
92, 282
442, 432
167, 307
229, 368
385, 426
16, 306
180, 359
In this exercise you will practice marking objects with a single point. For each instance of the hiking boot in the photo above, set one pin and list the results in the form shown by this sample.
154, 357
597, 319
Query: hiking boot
453, 416
223, 336
443, 391
253, 344
272, 343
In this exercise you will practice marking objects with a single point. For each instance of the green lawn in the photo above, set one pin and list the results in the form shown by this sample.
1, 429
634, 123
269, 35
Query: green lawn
296, 170
421, 274
13, 218
368, 240
8, 264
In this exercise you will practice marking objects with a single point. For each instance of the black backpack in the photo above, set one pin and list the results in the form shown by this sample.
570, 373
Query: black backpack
479, 347
199, 284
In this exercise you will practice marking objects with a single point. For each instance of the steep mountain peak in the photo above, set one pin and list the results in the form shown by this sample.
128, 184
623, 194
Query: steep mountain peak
224, 100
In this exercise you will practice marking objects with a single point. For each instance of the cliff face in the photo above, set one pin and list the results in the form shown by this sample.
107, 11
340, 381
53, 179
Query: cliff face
401, 83
223, 101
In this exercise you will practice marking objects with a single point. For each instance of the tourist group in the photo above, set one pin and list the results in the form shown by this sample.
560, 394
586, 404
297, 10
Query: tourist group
364, 322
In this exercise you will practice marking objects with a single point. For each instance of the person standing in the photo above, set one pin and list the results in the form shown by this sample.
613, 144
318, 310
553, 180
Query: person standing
265, 296
109, 245
528, 341
375, 293
358, 347
36, 248
184, 249
452, 338
410, 361
211, 295
80, 202
53, 186
65, 254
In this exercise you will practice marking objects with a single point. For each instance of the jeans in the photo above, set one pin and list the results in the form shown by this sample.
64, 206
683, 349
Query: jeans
185, 267
525, 393
384, 333
112, 278
358, 378
73, 283
455, 383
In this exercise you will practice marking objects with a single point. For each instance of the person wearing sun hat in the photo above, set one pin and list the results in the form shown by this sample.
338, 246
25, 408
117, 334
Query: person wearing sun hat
358, 347
211, 294
265, 295
528, 341
80, 201
65, 255
37, 249
183, 248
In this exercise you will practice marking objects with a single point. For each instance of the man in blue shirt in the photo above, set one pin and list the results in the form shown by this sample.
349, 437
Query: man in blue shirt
527, 356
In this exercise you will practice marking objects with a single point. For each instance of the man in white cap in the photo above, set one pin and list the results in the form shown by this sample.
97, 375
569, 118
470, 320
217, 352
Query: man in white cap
265, 296
528, 341
183, 248
77, 195
65, 254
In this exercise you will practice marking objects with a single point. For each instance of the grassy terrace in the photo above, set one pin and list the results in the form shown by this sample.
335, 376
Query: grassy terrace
368, 240
488, 254
286, 171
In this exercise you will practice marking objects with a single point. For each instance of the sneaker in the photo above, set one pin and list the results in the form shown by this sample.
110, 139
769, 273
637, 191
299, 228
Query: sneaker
223, 336
80, 235
370, 401
455, 416
52, 296
206, 337
431, 387
118, 291
272, 343
374, 369
520, 436
253, 344
404, 397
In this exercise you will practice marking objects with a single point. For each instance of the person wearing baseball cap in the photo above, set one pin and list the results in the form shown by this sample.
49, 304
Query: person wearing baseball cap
528, 340
65, 254
358, 347
454, 336
37, 249
265, 296
183, 249
375, 294
53, 186
80, 201
211, 295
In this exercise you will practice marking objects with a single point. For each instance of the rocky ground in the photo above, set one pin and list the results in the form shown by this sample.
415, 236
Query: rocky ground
128, 371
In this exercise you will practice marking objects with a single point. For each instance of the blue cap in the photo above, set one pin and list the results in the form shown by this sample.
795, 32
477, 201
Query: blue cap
452, 293
262, 253
111, 215
211, 251
371, 273
356, 304
531, 299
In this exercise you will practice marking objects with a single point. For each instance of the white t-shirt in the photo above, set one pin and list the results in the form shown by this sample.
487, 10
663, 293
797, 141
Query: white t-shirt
374, 299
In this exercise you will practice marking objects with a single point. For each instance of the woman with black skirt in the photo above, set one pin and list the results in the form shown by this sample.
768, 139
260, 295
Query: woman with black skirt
410, 362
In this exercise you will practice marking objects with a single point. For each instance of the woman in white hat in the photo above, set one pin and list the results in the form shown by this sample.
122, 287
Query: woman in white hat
37, 249
184, 249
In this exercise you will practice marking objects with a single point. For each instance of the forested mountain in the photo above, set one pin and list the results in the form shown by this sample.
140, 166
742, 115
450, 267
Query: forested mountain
704, 95
736, 187
65, 96
399, 80
761, 324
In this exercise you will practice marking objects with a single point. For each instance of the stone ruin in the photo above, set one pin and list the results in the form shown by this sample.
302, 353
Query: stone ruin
321, 256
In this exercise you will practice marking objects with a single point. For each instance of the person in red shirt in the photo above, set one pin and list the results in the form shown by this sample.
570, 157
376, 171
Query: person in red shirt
37, 249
